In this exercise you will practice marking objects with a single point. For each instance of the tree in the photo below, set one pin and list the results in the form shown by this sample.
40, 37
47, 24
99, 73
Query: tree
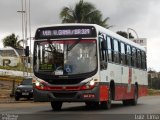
83, 12
124, 34
12, 41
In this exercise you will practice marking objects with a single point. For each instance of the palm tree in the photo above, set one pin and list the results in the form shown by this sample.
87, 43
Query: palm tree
83, 12
12, 41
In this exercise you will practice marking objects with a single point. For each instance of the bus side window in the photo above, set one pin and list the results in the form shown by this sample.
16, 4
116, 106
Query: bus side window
128, 54
116, 51
103, 52
123, 60
143, 60
138, 59
109, 49
133, 56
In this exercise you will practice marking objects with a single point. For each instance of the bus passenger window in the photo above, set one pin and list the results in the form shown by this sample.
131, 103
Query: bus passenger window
128, 55
143, 60
109, 49
116, 51
123, 60
133, 56
103, 52
138, 59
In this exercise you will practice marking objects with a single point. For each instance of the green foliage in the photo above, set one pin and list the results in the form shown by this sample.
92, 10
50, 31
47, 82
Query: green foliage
19, 67
124, 34
83, 12
12, 41
153, 92
154, 83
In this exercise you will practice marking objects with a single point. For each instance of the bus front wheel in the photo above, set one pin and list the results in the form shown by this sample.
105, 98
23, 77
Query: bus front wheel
92, 105
56, 105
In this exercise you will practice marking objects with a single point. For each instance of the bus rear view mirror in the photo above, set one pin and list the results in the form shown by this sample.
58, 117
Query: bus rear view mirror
104, 45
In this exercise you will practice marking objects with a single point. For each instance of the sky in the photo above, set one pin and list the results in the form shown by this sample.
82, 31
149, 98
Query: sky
141, 15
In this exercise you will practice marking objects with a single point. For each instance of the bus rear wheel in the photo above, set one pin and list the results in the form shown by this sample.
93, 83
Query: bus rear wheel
135, 99
132, 101
56, 105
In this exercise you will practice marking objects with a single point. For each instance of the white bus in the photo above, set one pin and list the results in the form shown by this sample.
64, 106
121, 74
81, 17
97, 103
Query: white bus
9, 57
87, 63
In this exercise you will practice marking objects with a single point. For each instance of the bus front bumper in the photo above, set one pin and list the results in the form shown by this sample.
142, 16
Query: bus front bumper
66, 96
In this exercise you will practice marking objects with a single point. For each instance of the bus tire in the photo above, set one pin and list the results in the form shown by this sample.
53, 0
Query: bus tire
132, 101
56, 105
91, 105
135, 99
107, 104
126, 102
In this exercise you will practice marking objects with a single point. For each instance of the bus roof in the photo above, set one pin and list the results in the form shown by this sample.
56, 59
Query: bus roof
118, 37
100, 29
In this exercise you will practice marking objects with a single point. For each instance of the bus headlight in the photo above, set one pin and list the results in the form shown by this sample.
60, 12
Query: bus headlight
90, 85
92, 82
39, 84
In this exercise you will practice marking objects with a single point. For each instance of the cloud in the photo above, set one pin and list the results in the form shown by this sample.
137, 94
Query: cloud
153, 58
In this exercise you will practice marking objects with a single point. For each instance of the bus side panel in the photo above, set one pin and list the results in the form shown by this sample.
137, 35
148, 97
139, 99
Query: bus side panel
104, 92
140, 77
114, 73
142, 91
128, 94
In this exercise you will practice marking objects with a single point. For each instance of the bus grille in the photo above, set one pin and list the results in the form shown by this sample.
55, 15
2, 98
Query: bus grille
64, 95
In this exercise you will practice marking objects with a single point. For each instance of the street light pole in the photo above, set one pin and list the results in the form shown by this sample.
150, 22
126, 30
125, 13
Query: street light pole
26, 25
30, 32
22, 12
133, 31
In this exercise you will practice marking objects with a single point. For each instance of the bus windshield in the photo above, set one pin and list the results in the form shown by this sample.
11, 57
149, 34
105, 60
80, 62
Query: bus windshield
65, 57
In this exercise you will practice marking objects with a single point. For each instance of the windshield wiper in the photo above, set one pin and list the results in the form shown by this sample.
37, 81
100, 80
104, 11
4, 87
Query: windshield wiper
53, 49
74, 44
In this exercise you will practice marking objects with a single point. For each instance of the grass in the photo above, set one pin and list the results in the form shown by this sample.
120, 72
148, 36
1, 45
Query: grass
153, 92
19, 67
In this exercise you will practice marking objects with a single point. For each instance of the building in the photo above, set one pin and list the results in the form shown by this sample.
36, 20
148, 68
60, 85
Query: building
141, 41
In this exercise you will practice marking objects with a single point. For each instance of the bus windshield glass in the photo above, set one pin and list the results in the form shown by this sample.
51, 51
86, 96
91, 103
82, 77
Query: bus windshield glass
65, 57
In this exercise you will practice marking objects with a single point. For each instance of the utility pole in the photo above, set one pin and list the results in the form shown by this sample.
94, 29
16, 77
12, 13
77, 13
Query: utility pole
26, 26
30, 33
23, 14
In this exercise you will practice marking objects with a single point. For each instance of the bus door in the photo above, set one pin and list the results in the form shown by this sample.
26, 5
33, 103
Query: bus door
103, 57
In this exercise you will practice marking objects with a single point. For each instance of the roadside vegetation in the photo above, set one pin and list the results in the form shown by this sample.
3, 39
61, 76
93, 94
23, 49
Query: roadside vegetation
17, 79
19, 67
153, 92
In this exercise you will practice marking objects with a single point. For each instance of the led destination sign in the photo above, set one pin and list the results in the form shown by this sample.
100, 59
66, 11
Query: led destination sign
65, 32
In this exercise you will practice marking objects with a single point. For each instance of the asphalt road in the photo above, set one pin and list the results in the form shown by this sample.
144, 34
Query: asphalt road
148, 108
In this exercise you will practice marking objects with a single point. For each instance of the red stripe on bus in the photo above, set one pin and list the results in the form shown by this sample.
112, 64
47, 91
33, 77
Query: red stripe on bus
121, 92
104, 92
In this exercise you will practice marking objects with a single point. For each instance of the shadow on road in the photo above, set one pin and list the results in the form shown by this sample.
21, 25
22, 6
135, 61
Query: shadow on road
83, 108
